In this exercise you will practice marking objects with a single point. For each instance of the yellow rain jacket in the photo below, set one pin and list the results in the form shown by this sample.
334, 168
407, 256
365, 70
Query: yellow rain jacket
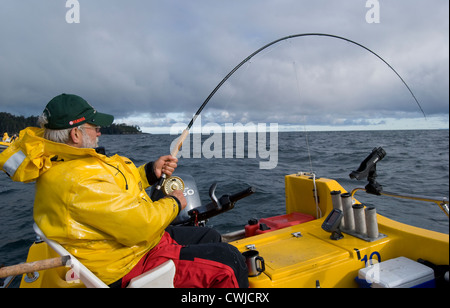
5, 137
95, 206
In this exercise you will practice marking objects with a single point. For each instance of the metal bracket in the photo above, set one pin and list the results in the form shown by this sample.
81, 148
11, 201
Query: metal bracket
297, 234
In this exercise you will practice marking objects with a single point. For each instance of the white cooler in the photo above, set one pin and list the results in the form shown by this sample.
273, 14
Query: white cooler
397, 273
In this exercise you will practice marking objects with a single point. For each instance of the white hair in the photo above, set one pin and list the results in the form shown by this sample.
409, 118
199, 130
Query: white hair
63, 135
56, 135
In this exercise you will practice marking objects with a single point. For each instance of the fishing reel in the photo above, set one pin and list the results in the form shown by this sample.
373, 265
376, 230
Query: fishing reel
187, 185
171, 184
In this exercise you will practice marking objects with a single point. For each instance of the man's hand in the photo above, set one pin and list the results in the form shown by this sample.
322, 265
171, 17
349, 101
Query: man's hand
165, 164
180, 196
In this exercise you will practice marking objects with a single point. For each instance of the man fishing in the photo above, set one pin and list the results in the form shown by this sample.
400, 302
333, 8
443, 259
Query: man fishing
96, 206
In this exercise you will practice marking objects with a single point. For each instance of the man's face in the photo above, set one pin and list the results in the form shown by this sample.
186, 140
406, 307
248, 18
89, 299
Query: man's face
90, 135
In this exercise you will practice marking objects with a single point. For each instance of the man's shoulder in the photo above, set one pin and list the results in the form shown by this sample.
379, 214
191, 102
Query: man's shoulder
72, 170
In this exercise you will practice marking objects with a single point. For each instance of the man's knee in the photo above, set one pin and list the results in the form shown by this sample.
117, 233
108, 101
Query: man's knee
211, 236
219, 252
232, 257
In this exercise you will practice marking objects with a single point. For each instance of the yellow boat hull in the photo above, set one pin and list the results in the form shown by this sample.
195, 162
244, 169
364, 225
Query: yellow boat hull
314, 259
304, 256
4, 145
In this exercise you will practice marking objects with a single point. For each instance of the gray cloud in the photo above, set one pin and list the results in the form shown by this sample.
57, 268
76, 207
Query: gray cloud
135, 57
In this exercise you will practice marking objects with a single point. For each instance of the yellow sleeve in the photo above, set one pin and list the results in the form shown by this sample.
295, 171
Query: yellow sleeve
143, 174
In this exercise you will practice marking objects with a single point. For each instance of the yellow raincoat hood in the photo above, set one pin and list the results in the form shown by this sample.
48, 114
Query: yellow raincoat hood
95, 206
31, 155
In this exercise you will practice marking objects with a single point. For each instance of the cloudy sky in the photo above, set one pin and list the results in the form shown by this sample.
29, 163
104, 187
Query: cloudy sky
153, 63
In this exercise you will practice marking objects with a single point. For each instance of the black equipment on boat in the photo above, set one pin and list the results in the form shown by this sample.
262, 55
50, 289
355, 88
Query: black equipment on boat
368, 169
216, 206
332, 223
195, 213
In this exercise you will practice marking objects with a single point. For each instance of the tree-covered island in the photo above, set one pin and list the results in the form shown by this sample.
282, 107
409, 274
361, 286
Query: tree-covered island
12, 124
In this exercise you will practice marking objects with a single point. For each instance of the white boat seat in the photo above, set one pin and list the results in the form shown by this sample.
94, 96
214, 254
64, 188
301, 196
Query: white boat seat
160, 277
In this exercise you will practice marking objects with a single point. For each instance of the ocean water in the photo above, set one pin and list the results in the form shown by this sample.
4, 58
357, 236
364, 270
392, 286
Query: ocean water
417, 162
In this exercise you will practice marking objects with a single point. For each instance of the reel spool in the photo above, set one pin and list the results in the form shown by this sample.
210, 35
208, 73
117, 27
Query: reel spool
171, 184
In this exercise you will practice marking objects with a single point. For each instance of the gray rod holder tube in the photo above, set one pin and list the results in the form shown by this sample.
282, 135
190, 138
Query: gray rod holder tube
337, 204
349, 218
371, 222
360, 219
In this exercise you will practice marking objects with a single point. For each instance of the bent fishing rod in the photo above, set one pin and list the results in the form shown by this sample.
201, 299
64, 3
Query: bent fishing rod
185, 133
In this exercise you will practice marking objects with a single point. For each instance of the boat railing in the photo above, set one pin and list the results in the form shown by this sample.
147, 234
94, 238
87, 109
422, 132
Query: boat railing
441, 202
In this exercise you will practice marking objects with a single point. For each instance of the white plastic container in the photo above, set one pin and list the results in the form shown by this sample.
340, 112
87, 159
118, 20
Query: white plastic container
398, 273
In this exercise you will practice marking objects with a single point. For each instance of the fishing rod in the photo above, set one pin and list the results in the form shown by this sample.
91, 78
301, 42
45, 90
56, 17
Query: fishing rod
185, 133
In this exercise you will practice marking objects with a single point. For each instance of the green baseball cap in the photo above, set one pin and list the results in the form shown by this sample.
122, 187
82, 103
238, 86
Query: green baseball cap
68, 110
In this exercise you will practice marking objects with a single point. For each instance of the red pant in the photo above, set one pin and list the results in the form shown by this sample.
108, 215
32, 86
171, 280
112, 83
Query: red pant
200, 260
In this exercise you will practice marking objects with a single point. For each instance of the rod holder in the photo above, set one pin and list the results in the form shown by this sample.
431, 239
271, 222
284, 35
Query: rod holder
360, 219
349, 217
337, 204
371, 222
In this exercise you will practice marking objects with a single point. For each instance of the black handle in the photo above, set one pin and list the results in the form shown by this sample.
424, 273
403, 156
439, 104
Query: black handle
157, 188
240, 195
263, 265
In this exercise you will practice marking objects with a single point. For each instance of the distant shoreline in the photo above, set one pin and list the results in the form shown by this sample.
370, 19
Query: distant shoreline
12, 124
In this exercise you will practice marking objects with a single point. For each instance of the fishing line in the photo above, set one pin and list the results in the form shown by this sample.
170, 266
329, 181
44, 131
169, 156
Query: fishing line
316, 198
304, 119
186, 131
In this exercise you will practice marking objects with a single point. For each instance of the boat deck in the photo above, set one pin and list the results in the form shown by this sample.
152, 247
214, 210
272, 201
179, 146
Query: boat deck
310, 258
